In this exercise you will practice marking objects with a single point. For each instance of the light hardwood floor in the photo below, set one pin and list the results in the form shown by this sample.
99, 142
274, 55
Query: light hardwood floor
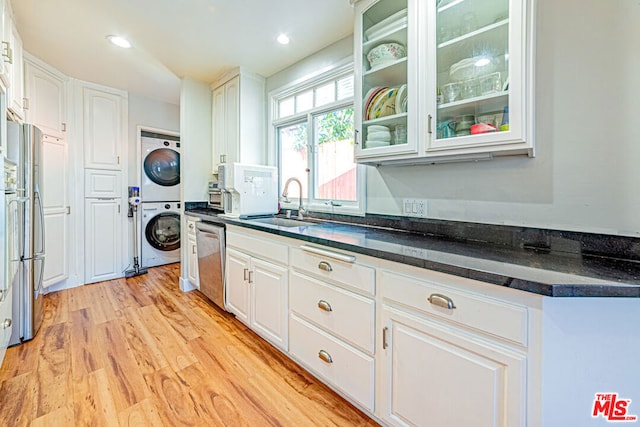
139, 352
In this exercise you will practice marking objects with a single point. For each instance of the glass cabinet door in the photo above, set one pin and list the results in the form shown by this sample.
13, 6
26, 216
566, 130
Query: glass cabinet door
383, 90
478, 73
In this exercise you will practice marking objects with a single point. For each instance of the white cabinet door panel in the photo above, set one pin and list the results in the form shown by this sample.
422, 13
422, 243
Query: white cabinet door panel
237, 287
270, 284
45, 92
102, 240
102, 129
56, 264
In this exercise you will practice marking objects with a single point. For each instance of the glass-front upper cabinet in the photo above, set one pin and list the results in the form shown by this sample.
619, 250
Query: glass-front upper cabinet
385, 73
474, 60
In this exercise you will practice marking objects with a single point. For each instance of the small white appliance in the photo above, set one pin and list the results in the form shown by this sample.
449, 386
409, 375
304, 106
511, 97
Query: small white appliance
249, 190
160, 180
160, 233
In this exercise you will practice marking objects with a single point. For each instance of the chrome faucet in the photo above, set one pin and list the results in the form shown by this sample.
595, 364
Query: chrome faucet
301, 209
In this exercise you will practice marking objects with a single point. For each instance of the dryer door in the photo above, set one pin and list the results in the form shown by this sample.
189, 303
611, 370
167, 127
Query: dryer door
163, 231
162, 166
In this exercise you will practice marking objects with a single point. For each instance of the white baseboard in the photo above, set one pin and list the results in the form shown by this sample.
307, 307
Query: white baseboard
186, 285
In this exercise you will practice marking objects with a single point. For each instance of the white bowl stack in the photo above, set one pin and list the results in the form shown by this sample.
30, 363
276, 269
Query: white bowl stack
377, 136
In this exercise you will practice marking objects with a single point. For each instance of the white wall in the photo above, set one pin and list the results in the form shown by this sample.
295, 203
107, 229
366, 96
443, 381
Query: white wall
147, 112
585, 175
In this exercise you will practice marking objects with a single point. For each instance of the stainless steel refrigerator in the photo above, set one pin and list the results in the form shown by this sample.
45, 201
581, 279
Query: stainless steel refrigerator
24, 146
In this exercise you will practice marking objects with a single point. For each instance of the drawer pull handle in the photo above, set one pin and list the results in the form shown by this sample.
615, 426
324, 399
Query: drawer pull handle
323, 305
325, 357
322, 252
324, 265
6, 324
441, 301
246, 271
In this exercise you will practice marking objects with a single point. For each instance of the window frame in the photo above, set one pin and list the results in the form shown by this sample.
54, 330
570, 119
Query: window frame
357, 208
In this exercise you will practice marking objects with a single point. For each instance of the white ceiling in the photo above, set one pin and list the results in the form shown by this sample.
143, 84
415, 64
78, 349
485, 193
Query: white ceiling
200, 39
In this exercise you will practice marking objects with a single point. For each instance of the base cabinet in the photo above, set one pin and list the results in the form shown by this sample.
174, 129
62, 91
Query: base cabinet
103, 245
192, 254
435, 375
257, 293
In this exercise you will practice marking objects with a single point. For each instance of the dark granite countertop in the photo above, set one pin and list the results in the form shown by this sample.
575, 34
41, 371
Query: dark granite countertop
544, 270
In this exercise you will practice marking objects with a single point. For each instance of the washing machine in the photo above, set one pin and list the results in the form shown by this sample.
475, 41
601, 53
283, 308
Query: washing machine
160, 155
160, 229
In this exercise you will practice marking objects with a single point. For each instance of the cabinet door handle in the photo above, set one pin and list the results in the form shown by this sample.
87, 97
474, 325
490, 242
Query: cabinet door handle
441, 301
323, 305
250, 276
318, 251
324, 265
385, 338
325, 357
7, 52
193, 249
246, 273
355, 137
6, 324
429, 119
191, 226
64, 127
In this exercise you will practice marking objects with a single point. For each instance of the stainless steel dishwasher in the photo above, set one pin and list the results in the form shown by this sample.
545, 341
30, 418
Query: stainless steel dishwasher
210, 241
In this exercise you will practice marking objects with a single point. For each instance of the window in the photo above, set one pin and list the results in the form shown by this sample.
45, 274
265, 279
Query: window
314, 128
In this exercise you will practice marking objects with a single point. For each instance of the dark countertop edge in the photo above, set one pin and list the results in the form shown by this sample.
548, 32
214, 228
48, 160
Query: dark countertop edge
543, 289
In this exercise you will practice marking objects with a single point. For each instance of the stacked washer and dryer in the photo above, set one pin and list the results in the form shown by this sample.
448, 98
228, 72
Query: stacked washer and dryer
160, 195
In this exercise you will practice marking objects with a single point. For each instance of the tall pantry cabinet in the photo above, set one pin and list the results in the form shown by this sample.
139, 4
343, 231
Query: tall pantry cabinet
45, 101
104, 119
84, 130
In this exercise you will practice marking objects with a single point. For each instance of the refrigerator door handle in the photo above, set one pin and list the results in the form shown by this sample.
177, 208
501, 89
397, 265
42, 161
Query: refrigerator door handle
41, 209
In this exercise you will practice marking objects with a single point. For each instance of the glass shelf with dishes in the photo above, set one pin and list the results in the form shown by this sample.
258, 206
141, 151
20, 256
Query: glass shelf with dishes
472, 68
382, 69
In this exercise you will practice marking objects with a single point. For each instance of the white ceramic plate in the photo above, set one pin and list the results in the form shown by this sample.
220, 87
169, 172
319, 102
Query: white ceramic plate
376, 144
401, 99
380, 26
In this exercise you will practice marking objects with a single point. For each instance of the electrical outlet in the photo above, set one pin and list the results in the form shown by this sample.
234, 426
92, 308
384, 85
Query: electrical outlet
415, 207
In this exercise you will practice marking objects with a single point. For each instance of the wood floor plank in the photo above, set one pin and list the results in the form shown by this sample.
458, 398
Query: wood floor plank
17, 400
62, 417
92, 400
140, 352
142, 414
127, 383
170, 343
84, 349
144, 347
54, 369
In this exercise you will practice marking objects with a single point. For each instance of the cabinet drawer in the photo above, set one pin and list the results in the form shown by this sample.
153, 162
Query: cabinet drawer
101, 183
260, 247
489, 315
340, 312
332, 269
334, 361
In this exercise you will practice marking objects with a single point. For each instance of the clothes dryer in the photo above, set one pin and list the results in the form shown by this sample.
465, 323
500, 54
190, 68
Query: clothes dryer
160, 180
160, 233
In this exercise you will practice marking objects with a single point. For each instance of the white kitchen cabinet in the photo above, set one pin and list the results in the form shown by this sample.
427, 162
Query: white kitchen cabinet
15, 92
6, 321
103, 240
238, 119
45, 98
332, 320
104, 128
5, 48
55, 203
192, 252
468, 63
450, 357
257, 285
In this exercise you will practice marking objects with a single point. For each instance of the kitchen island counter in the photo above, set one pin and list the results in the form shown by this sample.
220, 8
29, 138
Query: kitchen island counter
558, 270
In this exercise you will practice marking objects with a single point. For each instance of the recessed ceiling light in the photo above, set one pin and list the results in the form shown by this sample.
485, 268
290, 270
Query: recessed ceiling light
283, 39
119, 41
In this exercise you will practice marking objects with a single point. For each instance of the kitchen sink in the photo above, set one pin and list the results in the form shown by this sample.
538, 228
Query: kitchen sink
283, 222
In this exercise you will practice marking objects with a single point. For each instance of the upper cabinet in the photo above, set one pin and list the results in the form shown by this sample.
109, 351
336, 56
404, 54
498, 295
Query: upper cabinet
385, 75
443, 80
238, 119
11, 69
45, 98
104, 118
